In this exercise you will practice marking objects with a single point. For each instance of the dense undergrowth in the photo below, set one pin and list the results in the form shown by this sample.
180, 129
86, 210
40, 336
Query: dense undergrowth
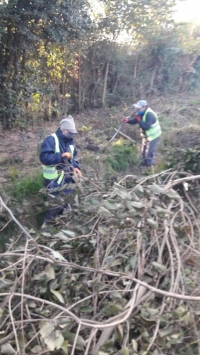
120, 274
112, 279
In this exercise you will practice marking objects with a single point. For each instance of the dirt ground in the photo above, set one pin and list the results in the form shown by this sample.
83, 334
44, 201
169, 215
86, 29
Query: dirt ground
19, 148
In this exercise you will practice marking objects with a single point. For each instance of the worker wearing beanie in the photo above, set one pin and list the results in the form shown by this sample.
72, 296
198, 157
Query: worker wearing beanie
58, 156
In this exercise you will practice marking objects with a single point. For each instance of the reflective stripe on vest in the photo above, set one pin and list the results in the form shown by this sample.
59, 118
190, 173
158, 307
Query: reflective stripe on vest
155, 130
71, 147
57, 147
50, 172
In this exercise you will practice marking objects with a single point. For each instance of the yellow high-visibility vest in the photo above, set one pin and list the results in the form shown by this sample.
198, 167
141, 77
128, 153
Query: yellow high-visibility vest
50, 172
155, 130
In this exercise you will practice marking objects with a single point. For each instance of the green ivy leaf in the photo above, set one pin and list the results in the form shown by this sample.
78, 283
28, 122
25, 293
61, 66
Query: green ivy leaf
134, 345
133, 262
124, 351
122, 192
159, 267
36, 349
139, 205
111, 309
57, 255
157, 189
186, 318
165, 332
64, 347
57, 295
160, 210
7, 349
80, 343
172, 194
180, 311
103, 211
152, 223
54, 341
49, 271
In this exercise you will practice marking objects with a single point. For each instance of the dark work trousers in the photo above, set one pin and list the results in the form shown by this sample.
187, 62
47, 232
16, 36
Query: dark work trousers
56, 211
148, 150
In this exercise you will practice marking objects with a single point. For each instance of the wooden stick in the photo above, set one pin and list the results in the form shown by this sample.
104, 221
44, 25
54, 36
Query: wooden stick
124, 135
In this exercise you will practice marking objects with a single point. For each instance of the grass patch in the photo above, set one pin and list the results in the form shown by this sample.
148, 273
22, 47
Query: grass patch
195, 101
26, 187
122, 157
167, 123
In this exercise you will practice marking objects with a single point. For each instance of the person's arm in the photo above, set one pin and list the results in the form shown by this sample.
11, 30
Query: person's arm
133, 120
75, 161
150, 120
47, 152
130, 120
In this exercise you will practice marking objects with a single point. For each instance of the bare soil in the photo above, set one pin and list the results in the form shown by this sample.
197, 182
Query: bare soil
19, 148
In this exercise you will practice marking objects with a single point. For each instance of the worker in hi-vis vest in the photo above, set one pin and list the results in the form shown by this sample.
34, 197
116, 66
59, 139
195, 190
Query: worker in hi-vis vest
58, 156
150, 129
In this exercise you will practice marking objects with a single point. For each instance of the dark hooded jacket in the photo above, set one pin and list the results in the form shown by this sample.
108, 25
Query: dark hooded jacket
145, 126
49, 157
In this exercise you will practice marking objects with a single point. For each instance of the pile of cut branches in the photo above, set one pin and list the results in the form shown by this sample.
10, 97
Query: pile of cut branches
121, 275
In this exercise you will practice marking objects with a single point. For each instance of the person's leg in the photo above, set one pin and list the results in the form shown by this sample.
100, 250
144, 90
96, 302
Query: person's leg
60, 205
67, 206
55, 201
143, 151
54, 211
151, 151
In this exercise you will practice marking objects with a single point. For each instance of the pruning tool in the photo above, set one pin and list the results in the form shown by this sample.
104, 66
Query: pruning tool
119, 129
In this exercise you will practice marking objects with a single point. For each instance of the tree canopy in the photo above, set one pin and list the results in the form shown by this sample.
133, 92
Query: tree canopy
60, 56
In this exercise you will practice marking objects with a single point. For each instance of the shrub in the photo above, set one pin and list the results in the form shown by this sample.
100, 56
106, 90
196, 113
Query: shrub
26, 186
186, 159
122, 157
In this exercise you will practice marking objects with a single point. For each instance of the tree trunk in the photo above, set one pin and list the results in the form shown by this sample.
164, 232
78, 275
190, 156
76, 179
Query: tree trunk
135, 67
153, 78
79, 85
16, 72
105, 85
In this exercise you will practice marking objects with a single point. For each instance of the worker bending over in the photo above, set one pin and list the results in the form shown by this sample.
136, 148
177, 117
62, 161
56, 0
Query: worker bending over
150, 129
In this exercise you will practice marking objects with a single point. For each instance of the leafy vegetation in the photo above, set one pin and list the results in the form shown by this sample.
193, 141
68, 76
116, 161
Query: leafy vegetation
122, 157
186, 159
115, 263
183, 150
120, 273
66, 57
26, 187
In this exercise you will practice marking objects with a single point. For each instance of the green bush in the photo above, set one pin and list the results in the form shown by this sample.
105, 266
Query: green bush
122, 157
26, 186
186, 159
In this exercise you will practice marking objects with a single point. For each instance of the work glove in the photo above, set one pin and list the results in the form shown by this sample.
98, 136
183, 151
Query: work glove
125, 120
66, 155
77, 171
138, 118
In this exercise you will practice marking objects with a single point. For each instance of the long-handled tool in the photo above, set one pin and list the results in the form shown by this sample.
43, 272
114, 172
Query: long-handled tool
119, 129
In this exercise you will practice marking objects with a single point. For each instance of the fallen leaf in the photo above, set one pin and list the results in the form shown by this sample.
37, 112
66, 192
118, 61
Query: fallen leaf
57, 295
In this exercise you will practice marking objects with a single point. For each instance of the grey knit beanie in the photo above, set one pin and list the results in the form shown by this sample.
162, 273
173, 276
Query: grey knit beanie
68, 124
